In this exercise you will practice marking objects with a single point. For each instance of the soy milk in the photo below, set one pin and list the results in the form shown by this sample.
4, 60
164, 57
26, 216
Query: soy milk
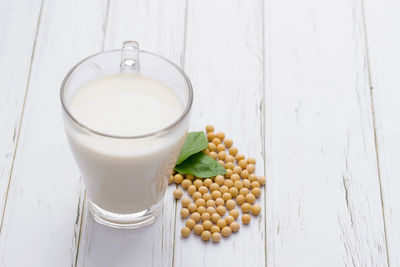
125, 175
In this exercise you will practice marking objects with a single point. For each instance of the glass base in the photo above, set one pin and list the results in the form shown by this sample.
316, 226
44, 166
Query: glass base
125, 221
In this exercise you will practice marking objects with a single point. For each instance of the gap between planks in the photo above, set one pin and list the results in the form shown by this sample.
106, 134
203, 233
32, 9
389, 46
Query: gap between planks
81, 215
22, 113
105, 23
371, 95
84, 206
262, 122
183, 68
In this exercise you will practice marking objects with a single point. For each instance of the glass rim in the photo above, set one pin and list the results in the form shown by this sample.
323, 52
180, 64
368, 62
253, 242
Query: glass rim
185, 112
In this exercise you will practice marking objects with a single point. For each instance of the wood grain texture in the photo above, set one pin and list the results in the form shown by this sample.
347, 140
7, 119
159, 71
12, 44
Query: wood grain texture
383, 28
18, 24
158, 26
40, 222
308, 86
323, 197
223, 58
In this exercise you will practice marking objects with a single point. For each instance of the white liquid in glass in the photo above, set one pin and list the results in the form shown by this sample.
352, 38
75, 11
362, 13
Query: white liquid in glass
125, 175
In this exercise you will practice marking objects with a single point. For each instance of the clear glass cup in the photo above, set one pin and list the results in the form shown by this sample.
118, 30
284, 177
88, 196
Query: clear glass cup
126, 176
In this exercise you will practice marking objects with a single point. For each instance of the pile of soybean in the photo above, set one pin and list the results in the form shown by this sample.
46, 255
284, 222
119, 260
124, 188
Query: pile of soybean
212, 211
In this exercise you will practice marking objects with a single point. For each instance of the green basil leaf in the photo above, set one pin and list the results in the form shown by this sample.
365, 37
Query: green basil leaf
195, 142
200, 165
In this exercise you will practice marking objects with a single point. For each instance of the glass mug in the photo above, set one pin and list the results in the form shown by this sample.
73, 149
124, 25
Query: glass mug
126, 176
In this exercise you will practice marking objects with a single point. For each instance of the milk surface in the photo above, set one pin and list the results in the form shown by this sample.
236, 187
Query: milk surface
126, 105
126, 175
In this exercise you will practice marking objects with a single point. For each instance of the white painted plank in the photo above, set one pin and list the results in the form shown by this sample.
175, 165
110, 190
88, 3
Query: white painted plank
323, 198
223, 59
383, 29
41, 226
18, 21
159, 27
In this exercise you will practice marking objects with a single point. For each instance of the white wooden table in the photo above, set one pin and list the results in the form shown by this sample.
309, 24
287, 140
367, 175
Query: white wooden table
308, 87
